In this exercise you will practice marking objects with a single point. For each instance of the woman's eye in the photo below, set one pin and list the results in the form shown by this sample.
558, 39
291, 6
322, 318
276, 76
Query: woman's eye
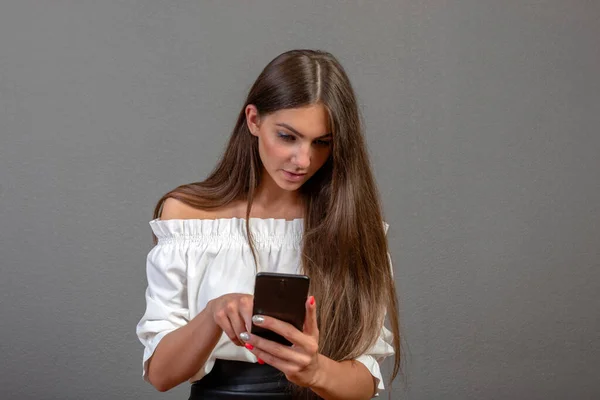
285, 136
323, 143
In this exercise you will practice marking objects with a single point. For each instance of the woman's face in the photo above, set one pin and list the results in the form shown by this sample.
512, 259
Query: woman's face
293, 143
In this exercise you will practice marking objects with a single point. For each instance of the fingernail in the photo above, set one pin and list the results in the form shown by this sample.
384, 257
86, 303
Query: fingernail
312, 300
249, 346
244, 336
261, 362
258, 319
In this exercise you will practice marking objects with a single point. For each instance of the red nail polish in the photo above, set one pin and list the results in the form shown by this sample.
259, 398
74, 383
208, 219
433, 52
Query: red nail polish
249, 346
312, 300
261, 362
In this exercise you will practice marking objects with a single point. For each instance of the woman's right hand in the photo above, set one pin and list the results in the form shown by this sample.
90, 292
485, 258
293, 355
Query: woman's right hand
232, 312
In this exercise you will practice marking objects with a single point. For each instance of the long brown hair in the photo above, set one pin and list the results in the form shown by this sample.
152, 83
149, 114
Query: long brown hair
351, 276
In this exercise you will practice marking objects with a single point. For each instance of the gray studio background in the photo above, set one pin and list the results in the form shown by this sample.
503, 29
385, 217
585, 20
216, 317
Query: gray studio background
482, 118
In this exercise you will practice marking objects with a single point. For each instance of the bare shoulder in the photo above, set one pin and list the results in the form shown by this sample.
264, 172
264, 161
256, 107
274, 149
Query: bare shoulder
176, 209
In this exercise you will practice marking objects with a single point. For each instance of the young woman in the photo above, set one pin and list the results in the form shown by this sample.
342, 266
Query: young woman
293, 193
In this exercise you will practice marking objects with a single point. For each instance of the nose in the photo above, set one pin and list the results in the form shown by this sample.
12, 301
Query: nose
302, 157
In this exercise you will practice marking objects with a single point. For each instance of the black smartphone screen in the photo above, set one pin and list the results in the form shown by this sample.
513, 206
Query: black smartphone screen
281, 296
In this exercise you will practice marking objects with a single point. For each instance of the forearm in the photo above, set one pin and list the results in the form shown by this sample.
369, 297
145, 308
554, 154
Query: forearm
181, 353
343, 380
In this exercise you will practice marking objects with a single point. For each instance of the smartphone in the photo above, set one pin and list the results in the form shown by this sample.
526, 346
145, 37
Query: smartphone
281, 296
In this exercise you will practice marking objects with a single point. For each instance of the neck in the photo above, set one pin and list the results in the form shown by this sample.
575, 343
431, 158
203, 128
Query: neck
269, 198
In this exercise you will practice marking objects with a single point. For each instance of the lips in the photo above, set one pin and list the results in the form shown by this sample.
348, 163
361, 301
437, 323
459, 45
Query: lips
291, 173
290, 176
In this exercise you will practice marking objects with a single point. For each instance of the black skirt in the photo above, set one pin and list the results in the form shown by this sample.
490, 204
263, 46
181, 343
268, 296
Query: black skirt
242, 380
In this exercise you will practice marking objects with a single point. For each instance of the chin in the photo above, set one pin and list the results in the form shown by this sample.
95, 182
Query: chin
290, 186
287, 185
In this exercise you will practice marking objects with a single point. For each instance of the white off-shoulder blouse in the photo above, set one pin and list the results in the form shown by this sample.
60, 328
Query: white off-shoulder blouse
197, 260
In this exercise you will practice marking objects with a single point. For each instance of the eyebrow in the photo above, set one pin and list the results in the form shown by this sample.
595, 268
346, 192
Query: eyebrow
298, 133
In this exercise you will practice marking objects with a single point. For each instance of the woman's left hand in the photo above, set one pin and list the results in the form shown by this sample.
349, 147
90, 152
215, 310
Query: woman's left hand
300, 362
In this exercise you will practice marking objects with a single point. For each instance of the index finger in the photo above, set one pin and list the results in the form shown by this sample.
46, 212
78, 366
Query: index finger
310, 321
245, 309
285, 329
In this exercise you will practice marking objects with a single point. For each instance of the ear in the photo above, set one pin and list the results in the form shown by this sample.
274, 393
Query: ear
252, 119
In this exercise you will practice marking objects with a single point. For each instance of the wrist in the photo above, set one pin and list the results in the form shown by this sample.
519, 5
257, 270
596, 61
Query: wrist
204, 323
322, 373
